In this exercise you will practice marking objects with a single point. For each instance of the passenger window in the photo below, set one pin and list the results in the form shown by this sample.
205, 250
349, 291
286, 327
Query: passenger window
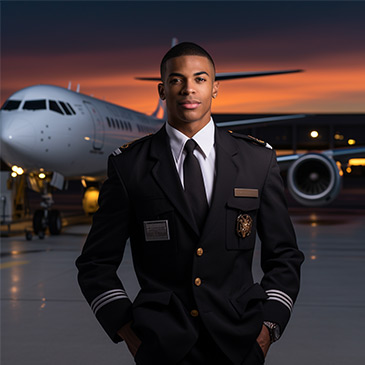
54, 107
107, 119
11, 105
64, 107
35, 105
113, 123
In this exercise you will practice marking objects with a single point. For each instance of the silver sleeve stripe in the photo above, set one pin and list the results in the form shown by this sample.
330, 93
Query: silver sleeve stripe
108, 294
280, 293
117, 152
107, 297
101, 305
280, 296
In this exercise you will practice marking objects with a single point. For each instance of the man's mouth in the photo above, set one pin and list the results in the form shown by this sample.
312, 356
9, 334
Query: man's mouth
189, 104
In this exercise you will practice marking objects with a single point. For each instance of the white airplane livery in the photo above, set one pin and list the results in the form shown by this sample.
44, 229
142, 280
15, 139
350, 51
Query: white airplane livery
53, 134
49, 128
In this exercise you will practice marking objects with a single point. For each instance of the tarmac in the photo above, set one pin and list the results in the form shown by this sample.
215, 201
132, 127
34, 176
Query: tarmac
46, 321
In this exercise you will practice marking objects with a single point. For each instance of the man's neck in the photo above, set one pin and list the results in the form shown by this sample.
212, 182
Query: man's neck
189, 129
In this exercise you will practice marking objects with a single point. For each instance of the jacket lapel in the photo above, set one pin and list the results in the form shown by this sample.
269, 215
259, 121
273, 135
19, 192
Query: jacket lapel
166, 176
225, 179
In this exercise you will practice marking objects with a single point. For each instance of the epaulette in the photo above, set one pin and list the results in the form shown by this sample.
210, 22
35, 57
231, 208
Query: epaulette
251, 139
120, 149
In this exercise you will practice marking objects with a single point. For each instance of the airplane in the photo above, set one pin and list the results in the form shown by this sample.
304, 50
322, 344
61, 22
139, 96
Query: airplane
54, 134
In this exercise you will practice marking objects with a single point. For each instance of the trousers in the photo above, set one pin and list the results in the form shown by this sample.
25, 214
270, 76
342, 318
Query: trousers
206, 352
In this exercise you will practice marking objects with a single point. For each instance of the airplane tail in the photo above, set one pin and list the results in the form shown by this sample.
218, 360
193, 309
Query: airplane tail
174, 42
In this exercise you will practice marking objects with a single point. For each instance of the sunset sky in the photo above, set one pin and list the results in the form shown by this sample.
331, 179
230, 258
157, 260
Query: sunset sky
103, 45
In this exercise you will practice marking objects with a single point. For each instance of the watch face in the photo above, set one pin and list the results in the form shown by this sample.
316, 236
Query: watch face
276, 333
274, 330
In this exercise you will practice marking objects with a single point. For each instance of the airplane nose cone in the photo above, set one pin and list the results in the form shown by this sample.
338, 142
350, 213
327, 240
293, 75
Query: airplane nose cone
18, 138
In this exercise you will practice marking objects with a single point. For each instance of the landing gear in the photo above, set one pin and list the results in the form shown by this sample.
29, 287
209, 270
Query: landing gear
39, 222
54, 222
46, 217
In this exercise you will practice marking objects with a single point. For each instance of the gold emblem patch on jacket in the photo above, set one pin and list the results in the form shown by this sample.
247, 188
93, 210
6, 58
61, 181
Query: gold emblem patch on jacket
243, 225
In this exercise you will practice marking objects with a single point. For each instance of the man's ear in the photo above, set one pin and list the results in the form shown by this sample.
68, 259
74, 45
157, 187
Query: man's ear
161, 91
215, 89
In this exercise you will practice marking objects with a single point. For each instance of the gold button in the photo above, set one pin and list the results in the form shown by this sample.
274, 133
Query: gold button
197, 281
199, 251
194, 313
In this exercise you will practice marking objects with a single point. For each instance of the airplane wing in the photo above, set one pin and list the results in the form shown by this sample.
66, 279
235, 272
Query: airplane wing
243, 75
345, 153
255, 121
340, 154
285, 161
233, 75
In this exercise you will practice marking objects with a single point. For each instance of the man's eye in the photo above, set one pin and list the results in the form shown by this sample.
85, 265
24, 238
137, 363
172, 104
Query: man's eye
175, 80
200, 79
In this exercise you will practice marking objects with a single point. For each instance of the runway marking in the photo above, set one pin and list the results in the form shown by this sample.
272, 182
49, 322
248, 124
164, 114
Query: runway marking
7, 265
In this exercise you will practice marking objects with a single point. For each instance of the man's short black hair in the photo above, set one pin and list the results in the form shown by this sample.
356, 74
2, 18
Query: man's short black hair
184, 49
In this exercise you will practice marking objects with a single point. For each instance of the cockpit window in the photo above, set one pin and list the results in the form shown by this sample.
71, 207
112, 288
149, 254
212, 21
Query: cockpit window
34, 105
64, 107
54, 106
71, 108
11, 105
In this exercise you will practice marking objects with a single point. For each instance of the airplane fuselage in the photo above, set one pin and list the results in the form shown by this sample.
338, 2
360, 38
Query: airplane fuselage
51, 128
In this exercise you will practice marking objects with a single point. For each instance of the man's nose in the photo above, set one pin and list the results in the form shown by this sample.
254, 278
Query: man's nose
188, 87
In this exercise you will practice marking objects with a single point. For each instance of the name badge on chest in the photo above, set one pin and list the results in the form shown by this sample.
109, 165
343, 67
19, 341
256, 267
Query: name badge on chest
156, 230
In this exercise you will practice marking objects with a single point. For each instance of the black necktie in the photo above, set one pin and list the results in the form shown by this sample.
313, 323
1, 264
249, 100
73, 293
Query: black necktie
194, 185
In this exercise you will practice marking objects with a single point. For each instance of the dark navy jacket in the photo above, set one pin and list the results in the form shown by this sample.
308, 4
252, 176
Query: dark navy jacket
143, 187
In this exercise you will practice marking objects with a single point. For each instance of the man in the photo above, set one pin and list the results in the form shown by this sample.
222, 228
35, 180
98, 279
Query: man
191, 199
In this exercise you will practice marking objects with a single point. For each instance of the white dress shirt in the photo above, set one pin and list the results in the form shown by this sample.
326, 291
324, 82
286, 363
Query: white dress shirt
205, 153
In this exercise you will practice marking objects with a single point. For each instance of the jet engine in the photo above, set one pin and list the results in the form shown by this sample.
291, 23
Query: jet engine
314, 180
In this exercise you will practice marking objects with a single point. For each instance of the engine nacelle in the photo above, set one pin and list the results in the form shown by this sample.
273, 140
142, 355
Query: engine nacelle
314, 180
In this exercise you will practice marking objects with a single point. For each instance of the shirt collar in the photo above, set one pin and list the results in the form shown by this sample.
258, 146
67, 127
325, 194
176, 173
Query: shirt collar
204, 138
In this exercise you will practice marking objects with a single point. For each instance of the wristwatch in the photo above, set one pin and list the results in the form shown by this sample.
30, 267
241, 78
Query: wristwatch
274, 330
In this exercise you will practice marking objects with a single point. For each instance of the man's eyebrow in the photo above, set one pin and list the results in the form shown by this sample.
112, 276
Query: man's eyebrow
201, 73
175, 74
181, 75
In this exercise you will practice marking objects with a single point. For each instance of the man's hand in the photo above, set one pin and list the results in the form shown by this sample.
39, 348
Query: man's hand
130, 338
264, 340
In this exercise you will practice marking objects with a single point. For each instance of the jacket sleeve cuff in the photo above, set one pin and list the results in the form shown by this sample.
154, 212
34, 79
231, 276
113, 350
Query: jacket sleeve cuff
114, 316
277, 312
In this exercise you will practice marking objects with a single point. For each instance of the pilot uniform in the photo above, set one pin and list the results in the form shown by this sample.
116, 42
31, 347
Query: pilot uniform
192, 281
